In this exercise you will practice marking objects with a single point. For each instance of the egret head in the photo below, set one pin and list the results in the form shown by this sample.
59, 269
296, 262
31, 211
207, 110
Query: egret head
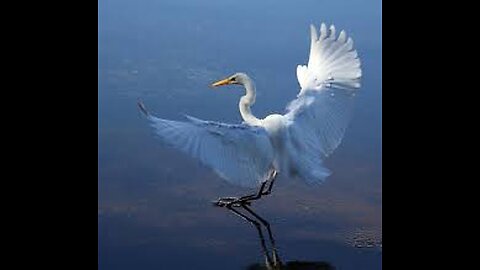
237, 78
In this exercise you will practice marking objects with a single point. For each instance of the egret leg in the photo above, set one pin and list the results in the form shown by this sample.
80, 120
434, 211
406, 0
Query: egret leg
247, 200
235, 201
273, 176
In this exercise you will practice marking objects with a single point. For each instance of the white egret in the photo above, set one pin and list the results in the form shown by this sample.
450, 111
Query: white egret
295, 143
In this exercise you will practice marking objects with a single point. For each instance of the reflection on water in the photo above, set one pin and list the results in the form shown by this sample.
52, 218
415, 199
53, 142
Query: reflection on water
272, 258
296, 265
154, 204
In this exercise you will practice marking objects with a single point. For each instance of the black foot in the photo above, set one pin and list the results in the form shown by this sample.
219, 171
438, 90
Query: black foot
247, 200
231, 201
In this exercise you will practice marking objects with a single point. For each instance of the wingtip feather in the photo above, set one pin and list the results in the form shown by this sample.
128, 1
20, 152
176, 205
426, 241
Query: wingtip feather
323, 31
142, 108
332, 31
313, 33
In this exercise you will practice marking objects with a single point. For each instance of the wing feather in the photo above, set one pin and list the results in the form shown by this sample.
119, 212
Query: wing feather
331, 59
319, 116
240, 154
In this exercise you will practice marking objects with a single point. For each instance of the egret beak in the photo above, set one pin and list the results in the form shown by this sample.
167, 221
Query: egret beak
220, 83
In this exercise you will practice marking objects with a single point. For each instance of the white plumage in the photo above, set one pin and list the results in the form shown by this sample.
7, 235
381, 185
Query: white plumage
240, 154
294, 144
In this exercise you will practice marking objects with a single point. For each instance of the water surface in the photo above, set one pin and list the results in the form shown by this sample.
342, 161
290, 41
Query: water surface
154, 209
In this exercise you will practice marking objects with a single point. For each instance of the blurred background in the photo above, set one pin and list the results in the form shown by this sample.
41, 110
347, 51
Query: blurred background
154, 203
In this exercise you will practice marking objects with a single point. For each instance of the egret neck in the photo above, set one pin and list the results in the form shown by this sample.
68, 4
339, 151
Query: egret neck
247, 101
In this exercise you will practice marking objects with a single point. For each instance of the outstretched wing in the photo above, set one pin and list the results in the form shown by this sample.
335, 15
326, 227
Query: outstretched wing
240, 154
319, 116
332, 62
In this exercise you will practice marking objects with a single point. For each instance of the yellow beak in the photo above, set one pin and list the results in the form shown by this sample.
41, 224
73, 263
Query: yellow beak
220, 83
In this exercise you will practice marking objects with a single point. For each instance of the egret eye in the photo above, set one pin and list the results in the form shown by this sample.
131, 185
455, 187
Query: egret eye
232, 79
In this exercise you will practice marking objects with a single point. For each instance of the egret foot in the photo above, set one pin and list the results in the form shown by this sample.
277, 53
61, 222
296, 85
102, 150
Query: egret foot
231, 201
247, 200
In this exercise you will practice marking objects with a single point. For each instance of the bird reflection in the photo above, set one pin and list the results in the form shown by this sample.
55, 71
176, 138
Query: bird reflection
272, 260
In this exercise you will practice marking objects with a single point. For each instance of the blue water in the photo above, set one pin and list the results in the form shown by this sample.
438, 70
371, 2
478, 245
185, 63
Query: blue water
154, 209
